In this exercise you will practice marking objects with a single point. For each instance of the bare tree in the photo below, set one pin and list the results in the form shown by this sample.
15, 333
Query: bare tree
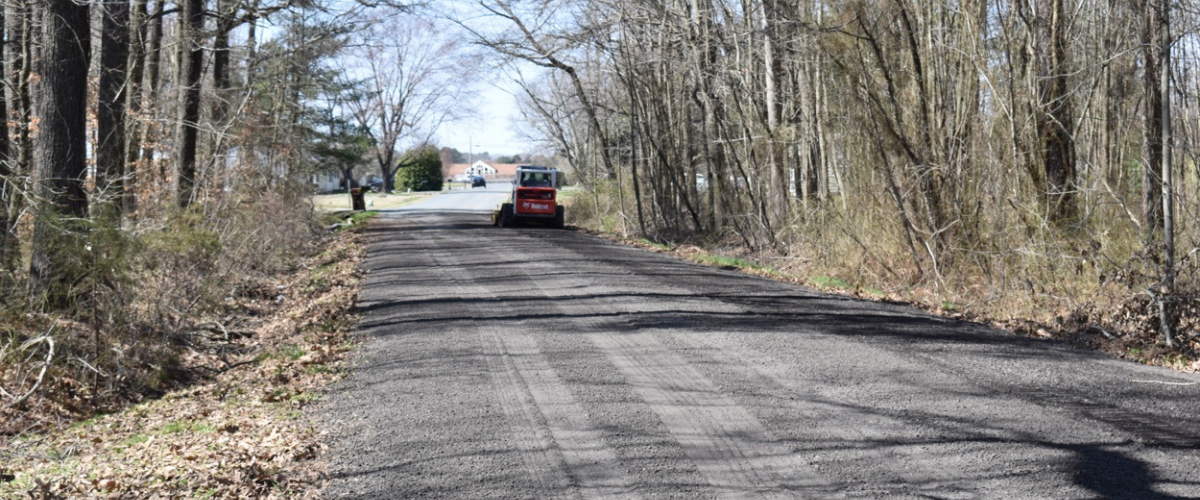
7, 237
415, 75
1055, 117
18, 47
530, 35
138, 31
1167, 309
1153, 121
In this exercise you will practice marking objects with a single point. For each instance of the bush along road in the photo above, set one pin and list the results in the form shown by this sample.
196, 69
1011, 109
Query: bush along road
540, 363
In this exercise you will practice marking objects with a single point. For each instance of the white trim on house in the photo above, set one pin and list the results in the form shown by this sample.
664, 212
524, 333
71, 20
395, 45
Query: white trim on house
480, 168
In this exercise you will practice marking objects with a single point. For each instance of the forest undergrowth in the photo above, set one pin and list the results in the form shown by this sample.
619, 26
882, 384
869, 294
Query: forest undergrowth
186, 377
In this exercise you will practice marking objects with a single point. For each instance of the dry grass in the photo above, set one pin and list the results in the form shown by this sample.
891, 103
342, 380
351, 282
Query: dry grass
377, 201
1088, 285
148, 291
226, 417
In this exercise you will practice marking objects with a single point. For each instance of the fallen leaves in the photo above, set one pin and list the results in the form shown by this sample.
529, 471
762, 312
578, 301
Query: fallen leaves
239, 431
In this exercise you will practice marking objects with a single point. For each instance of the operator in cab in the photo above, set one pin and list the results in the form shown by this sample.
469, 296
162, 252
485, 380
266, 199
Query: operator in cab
531, 179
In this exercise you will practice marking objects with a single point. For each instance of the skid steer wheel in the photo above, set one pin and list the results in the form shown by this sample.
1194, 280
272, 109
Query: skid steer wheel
506, 215
559, 217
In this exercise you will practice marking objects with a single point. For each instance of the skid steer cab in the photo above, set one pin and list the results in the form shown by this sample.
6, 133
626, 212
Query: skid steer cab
534, 199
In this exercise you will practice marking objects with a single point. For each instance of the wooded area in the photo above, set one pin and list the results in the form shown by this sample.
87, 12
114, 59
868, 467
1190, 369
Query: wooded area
1017, 159
156, 160
1030, 163
1025, 158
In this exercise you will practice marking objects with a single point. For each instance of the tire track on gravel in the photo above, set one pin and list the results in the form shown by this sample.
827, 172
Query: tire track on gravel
702, 383
731, 448
806, 407
552, 427
935, 426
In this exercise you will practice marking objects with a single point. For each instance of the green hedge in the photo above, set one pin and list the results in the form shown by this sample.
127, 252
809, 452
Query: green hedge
420, 170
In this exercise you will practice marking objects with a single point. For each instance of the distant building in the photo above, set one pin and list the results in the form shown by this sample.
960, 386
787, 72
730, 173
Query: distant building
488, 170
327, 181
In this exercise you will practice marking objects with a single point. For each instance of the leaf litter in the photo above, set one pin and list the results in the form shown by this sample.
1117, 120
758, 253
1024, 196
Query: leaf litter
240, 430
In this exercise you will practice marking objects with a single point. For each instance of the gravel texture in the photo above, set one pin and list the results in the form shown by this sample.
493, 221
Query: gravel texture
541, 363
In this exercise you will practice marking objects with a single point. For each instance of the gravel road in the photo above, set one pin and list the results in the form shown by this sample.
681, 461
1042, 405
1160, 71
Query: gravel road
540, 363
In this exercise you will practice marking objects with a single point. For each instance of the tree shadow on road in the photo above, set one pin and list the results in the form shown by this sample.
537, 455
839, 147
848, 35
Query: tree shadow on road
1112, 474
643, 291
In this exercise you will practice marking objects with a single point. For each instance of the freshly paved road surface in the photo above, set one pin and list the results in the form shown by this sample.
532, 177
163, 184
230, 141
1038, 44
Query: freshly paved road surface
540, 363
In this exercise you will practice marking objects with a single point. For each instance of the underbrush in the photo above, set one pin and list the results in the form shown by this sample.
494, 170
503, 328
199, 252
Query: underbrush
598, 207
1092, 283
201, 390
148, 295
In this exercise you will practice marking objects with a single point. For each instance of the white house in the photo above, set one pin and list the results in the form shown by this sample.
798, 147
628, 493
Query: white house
327, 181
481, 168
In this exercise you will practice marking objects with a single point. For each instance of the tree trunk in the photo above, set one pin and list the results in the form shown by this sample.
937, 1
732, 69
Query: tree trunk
133, 100
251, 40
1152, 148
776, 151
220, 59
154, 39
1056, 123
152, 84
61, 147
8, 241
110, 112
19, 41
386, 161
226, 17
191, 67
4, 140
348, 180
1167, 308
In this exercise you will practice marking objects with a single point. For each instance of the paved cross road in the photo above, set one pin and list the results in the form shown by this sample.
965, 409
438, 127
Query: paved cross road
540, 363
463, 200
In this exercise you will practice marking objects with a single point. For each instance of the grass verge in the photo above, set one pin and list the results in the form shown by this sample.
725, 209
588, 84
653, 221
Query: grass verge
378, 201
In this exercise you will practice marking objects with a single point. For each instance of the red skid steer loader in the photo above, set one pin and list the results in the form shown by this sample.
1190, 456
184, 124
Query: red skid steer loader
534, 199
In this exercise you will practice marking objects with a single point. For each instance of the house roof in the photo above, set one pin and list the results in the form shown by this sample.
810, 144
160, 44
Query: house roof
502, 169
